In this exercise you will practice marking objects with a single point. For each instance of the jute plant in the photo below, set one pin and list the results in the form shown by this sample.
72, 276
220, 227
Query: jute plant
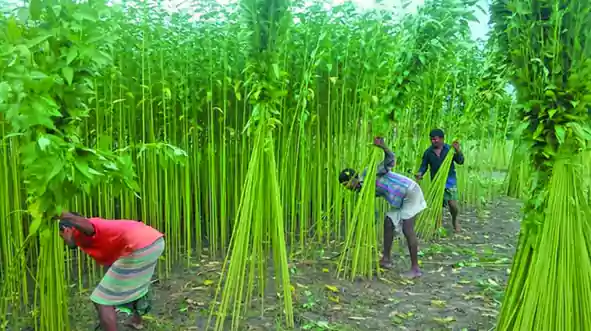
430, 220
550, 288
258, 229
259, 221
360, 251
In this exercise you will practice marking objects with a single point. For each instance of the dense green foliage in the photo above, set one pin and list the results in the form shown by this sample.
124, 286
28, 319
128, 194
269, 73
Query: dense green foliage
547, 48
110, 90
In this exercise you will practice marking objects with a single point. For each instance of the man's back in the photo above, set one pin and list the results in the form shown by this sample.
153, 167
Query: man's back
393, 187
116, 238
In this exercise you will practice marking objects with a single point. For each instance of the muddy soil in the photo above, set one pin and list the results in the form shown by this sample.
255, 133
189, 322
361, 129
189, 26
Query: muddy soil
461, 289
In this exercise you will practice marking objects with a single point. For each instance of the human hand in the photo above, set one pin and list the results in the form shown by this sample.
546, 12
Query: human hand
456, 146
379, 141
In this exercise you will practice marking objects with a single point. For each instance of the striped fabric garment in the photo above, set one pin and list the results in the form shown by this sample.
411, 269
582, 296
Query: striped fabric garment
393, 187
128, 279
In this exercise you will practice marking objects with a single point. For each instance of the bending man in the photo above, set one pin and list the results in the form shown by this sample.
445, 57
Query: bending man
129, 249
406, 199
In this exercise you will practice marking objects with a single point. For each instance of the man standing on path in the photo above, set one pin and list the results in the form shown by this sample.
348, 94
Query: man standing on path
433, 158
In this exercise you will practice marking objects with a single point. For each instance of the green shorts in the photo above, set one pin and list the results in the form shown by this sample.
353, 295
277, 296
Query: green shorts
450, 194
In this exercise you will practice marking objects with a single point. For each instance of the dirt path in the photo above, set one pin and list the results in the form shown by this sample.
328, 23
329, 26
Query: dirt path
460, 290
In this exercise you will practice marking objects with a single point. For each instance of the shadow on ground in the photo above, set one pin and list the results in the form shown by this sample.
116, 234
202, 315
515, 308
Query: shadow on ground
464, 276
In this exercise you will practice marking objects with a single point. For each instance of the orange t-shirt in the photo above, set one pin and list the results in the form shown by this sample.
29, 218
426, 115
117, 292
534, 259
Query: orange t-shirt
113, 239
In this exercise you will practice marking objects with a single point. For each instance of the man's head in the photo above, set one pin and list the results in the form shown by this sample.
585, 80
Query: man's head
437, 138
67, 232
349, 178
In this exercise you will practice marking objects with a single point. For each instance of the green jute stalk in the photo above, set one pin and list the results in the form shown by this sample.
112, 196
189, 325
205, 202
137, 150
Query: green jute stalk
248, 252
361, 235
431, 219
558, 255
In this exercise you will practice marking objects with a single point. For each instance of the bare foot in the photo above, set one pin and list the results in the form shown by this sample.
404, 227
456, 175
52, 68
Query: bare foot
136, 322
457, 229
134, 325
386, 264
413, 273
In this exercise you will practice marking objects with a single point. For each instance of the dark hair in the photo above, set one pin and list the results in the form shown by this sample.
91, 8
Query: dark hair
64, 224
436, 133
346, 175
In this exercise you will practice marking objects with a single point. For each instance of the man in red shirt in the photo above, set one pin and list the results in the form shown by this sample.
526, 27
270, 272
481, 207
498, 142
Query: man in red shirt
129, 249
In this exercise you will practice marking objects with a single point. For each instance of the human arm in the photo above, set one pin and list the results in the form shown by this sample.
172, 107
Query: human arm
458, 156
79, 223
423, 168
389, 157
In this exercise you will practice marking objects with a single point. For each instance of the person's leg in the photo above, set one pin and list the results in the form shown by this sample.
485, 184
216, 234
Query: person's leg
137, 322
127, 280
452, 202
408, 228
386, 261
107, 314
107, 317
140, 307
454, 210
143, 304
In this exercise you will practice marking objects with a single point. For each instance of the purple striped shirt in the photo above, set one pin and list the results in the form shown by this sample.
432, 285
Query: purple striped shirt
390, 185
393, 188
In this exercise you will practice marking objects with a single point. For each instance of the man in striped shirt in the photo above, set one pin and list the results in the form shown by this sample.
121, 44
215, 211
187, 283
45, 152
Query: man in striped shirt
405, 198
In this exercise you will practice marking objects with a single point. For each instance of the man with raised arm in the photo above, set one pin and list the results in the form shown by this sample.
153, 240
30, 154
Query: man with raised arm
433, 158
